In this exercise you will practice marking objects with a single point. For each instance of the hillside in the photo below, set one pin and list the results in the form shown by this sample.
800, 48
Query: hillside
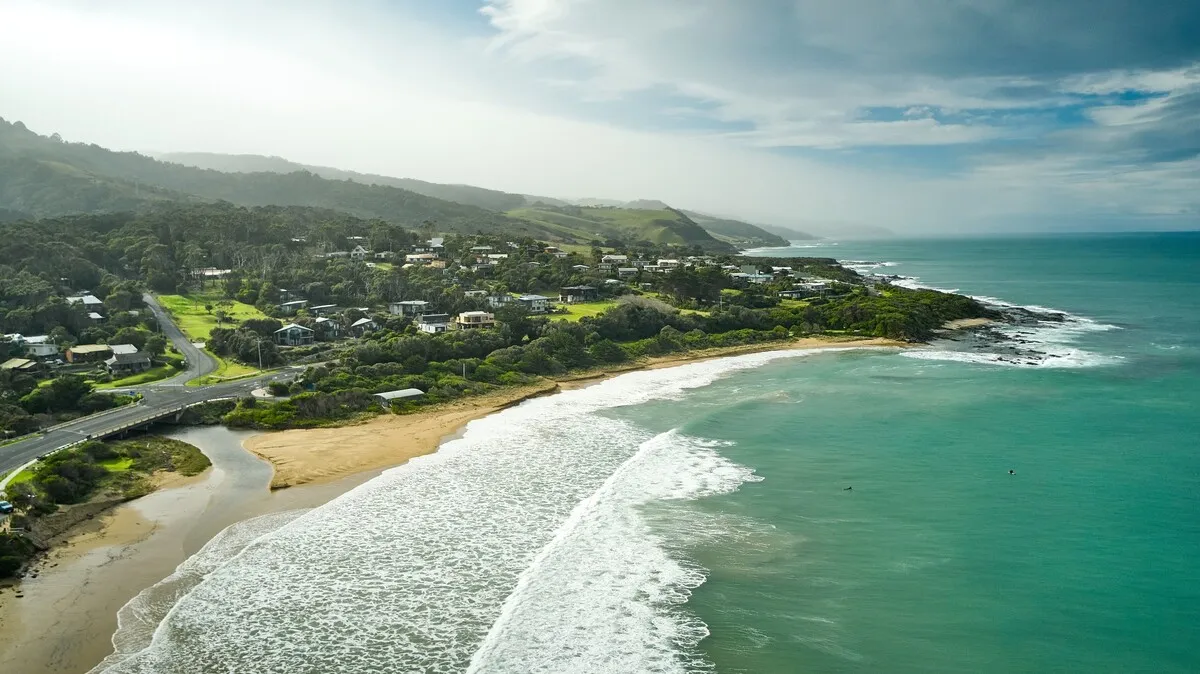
739, 233
661, 226
469, 195
46, 177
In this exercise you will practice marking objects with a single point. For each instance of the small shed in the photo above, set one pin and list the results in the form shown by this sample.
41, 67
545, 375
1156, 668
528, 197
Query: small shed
387, 397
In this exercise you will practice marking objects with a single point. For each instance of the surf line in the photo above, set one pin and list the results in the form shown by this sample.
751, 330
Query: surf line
487, 648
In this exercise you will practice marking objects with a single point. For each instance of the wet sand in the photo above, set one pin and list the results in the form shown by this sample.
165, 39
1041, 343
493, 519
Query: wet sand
65, 620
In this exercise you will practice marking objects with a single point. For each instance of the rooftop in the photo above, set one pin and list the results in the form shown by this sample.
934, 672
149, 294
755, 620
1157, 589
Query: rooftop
123, 348
401, 393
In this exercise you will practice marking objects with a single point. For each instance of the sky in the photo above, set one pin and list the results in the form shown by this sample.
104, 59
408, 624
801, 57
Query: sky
957, 116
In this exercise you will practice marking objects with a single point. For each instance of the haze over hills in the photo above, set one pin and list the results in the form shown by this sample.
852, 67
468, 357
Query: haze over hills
731, 231
253, 163
43, 176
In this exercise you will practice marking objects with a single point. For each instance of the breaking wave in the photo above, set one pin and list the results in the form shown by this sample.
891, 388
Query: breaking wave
523, 534
1036, 336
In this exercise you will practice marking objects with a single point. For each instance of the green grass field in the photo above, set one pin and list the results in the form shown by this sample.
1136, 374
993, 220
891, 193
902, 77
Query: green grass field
153, 374
117, 465
196, 321
226, 370
793, 304
578, 311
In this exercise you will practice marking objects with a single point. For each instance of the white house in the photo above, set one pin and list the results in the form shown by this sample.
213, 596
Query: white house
40, 346
359, 253
615, 259
327, 328
476, 294
627, 272
668, 264
433, 323
536, 304
408, 307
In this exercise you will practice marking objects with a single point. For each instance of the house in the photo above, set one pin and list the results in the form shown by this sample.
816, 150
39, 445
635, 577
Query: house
760, 278
580, 267
387, 397
289, 308
327, 328
535, 304
95, 316
500, 299
616, 260
606, 267
433, 323
495, 258
40, 346
337, 254
408, 307
576, 294
384, 255
436, 243
323, 309
359, 253
126, 360
551, 250
363, 325
420, 258
473, 320
812, 287
83, 353
481, 249
475, 294
294, 335
89, 301
627, 272
356, 239
19, 365
483, 267
793, 294
667, 264
611, 282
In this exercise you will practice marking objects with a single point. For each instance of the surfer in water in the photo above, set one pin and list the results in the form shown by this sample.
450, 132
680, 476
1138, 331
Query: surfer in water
848, 489
1012, 472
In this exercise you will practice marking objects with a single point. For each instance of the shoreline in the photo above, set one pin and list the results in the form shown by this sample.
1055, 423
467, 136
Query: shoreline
67, 618
319, 455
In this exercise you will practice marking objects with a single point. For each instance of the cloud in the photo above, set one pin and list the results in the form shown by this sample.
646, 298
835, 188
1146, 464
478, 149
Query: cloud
889, 113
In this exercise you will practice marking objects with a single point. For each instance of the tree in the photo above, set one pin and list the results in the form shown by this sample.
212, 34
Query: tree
155, 345
130, 336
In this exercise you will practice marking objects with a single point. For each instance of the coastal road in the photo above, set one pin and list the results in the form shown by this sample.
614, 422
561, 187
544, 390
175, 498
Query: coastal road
198, 362
157, 396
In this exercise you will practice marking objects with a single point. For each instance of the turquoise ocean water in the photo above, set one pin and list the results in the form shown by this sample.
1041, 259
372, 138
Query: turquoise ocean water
698, 518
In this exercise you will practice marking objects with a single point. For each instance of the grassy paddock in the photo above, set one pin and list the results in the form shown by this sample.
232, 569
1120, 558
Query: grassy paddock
578, 311
196, 321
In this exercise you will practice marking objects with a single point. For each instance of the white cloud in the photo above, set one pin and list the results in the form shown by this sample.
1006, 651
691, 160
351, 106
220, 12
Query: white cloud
372, 89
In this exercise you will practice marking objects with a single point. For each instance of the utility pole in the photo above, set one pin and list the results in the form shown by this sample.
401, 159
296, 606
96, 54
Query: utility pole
260, 367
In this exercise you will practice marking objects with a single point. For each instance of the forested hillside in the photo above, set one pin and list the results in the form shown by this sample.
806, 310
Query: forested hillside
470, 195
662, 226
47, 177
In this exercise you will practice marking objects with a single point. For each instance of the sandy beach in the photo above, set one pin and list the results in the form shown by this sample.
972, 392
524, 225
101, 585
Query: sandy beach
315, 456
64, 621
66, 616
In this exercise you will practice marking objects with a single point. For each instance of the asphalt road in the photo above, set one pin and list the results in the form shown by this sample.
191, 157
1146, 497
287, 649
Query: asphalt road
161, 395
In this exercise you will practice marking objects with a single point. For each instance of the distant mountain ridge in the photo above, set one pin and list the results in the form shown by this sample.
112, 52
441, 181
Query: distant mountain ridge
43, 176
469, 195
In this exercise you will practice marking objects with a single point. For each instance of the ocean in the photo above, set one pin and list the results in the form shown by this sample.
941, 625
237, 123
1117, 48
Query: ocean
949, 508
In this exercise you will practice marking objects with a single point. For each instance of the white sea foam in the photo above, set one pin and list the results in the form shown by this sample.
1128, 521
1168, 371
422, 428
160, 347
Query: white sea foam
526, 526
140, 616
1048, 343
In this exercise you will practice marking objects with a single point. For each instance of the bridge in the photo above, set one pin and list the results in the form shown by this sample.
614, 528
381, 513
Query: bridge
160, 400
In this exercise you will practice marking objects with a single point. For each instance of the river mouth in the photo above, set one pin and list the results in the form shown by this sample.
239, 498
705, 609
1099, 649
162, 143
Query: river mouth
67, 618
